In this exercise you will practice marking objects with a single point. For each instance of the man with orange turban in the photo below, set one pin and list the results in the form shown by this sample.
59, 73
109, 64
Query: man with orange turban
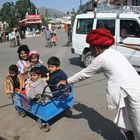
123, 86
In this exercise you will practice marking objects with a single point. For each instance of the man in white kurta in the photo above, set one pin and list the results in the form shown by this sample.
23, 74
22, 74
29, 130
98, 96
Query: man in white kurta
123, 86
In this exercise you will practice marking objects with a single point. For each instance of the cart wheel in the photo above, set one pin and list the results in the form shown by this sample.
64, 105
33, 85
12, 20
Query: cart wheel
43, 126
68, 112
46, 127
21, 113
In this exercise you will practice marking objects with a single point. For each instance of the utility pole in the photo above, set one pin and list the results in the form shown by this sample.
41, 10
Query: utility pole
29, 4
81, 9
80, 3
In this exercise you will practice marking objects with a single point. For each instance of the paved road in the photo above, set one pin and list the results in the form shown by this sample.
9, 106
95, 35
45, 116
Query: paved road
90, 120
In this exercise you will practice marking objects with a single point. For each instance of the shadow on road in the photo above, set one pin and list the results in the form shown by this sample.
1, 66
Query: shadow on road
5, 105
97, 123
76, 61
1, 138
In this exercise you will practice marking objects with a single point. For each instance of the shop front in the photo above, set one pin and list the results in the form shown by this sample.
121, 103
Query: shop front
31, 25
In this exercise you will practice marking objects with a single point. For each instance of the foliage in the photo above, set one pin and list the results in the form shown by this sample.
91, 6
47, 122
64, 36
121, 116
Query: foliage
11, 14
73, 15
23, 6
45, 21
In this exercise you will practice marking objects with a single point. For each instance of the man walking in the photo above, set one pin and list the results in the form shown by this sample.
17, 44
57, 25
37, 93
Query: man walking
47, 34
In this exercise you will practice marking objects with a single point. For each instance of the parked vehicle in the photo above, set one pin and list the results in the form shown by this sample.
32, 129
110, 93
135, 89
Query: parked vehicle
124, 24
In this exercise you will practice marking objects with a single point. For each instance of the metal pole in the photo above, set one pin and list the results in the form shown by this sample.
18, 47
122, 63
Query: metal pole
29, 3
81, 6
80, 2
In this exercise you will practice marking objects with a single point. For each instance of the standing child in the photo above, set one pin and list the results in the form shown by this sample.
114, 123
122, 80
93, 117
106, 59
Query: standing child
55, 73
14, 81
38, 84
54, 39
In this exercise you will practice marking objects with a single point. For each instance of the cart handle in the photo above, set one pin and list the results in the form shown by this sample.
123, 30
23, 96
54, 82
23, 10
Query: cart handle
66, 88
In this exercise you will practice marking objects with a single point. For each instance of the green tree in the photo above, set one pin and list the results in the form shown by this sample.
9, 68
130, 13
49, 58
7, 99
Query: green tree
11, 14
8, 15
73, 15
23, 6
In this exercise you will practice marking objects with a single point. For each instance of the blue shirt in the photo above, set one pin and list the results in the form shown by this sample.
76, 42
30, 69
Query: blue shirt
56, 77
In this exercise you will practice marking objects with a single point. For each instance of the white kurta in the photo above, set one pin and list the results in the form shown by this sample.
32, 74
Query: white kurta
123, 87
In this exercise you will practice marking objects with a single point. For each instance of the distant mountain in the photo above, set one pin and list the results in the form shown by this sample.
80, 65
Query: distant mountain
51, 12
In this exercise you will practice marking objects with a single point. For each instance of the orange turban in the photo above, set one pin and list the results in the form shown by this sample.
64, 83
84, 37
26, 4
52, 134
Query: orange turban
100, 37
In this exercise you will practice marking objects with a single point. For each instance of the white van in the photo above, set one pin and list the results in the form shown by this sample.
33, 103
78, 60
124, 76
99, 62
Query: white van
125, 26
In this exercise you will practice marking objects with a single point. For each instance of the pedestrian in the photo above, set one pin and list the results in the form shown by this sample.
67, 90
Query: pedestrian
17, 35
123, 86
13, 38
34, 31
10, 36
47, 34
0, 36
69, 34
54, 39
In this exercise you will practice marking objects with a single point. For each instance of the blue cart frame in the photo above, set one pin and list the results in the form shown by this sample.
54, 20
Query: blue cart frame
61, 102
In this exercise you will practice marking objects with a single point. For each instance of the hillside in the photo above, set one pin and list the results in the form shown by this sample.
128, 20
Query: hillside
50, 12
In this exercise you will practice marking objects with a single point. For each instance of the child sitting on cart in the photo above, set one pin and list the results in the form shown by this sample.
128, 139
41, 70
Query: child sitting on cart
55, 74
37, 84
34, 61
14, 82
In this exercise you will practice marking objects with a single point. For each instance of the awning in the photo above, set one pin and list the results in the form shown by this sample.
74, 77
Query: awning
31, 19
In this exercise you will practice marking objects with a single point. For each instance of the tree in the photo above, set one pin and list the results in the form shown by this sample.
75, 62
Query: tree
73, 15
8, 15
23, 6
11, 14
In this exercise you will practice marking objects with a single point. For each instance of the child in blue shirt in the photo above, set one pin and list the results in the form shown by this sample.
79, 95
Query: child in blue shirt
55, 73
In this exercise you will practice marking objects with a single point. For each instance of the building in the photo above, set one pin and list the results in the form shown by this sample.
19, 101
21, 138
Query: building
31, 24
103, 3
91, 4
125, 2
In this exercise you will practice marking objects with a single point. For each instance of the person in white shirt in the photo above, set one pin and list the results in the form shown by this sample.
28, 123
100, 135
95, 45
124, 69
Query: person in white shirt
14, 38
11, 37
123, 86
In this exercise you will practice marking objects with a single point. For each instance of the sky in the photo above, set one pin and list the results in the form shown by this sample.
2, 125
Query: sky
61, 5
